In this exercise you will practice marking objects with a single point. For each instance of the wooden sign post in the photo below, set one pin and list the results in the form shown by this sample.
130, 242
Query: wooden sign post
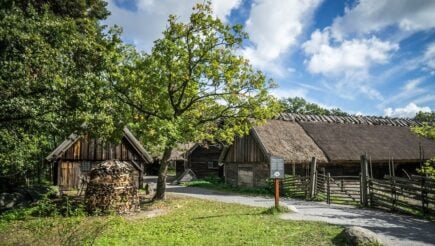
276, 192
276, 173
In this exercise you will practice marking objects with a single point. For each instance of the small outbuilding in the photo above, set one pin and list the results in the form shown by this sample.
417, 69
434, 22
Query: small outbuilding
75, 157
203, 160
337, 143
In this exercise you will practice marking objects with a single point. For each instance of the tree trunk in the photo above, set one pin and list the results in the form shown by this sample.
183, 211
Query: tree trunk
161, 180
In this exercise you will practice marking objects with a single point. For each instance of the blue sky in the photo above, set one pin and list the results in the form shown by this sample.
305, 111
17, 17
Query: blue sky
371, 57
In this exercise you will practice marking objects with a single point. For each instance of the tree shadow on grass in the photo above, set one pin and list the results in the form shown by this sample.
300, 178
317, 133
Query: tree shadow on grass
225, 215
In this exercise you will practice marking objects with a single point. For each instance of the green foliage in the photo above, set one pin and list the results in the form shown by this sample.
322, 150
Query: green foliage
54, 60
48, 205
186, 222
301, 106
428, 127
428, 168
428, 117
193, 85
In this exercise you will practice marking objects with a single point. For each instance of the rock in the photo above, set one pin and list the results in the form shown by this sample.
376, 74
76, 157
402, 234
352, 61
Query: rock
290, 207
11, 200
356, 235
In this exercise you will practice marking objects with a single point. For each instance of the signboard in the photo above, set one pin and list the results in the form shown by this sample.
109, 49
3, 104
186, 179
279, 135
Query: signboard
276, 167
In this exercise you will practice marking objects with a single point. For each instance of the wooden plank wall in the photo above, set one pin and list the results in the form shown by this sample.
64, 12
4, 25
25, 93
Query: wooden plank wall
94, 150
245, 150
199, 158
68, 175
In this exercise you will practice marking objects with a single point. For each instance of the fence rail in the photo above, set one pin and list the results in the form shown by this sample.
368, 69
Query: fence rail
415, 196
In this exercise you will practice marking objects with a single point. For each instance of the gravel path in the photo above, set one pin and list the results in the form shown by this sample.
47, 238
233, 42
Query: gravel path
393, 229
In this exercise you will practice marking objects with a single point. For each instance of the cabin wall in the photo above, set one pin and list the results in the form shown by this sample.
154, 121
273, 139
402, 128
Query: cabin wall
86, 153
247, 174
204, 162
179, 167
245, 164
95, 150
70, 174
245, 150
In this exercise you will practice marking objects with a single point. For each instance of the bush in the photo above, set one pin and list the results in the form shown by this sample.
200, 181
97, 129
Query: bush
428, 168
49, 205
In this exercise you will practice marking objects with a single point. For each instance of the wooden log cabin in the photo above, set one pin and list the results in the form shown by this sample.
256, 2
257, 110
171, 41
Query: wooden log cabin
337, 142
77, 155
202, 159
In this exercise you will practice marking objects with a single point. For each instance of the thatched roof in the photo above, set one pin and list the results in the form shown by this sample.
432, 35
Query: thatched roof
360, 120
347, 142
288, 140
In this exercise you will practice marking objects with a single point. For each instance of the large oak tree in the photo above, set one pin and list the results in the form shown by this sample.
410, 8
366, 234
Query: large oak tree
193, 86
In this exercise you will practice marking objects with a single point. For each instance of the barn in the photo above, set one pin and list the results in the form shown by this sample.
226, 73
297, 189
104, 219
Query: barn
202, 159
337, 142
73, 159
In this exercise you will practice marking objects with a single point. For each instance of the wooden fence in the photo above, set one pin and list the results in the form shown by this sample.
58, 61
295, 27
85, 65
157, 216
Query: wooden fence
415, 195
338, 189
295, 186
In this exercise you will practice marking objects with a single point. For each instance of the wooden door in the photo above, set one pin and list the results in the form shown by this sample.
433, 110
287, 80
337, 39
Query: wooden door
245, 177
69, 175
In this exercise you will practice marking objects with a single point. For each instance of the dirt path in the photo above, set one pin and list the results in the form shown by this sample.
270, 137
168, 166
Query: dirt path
393, 229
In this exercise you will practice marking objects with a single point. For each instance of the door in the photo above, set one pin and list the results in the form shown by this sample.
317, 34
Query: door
245, 177
69, 175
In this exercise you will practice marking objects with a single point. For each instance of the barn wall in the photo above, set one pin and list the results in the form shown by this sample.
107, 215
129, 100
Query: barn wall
245, 150
199, 159
94, 150
179, 167
245, 163
70, 174
247, 174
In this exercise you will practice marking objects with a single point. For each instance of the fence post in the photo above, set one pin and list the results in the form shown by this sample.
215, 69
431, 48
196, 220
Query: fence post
293, 169
328, 189
363, 182
424, 200
313, 177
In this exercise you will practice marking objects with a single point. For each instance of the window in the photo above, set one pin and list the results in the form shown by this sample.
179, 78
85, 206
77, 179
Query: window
212, 165
85, 166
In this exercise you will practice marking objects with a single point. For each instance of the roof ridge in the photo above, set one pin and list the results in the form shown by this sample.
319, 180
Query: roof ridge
350, 119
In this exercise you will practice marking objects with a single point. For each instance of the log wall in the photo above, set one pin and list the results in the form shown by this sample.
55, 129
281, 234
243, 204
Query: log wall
199, 158
95, 150
245, 150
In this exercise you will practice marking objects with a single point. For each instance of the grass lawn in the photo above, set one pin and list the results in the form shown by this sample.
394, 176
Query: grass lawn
186, 221
217, 184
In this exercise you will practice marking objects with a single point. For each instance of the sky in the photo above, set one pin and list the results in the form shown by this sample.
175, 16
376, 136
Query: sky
369, 57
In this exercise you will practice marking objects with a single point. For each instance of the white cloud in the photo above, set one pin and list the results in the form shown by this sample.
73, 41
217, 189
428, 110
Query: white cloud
273, 27
143, 26
292, 92
409, 111
411, 90
328, 58
369, 16
412, 84
429, 56
347, 64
